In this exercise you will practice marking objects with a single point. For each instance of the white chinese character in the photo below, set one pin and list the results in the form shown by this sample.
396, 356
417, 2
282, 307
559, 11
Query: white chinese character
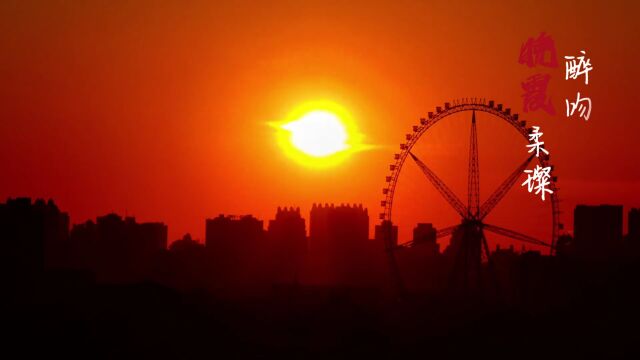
584, 109
538, 179
537, 144
575, 68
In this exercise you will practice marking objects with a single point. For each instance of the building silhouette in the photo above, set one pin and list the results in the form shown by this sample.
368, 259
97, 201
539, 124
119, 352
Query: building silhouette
421, 262
118, 249
186, 243
33, 235
235, 247
384, 230
184, 265
424, 235
331, 224
231, 235
597, 231
339, 245
564, 246
287, 242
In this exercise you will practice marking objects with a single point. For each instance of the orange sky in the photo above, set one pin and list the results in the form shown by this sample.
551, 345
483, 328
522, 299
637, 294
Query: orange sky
159, 109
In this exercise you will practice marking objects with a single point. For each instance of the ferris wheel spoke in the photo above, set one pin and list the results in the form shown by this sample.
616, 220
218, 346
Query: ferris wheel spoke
485, 247
473, 190
515, 235
446, 231
442, 188
503, 189
440, 233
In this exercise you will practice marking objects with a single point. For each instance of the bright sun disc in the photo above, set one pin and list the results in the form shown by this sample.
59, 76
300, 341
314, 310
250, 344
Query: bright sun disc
318, 133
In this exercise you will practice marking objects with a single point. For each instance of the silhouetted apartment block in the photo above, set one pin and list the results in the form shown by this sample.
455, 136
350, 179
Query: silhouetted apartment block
127, 233
235, 246
233, 233
118, 249
343, 224
339, 243
597, 231
33, 236
287, 245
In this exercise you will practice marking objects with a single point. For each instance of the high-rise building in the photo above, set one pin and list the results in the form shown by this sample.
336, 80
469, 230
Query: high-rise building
288, 226
344, 224
597, 231
339, 243
233, 233
236, 248
287, 245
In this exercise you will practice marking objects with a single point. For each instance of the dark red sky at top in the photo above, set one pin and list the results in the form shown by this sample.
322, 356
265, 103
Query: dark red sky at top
158, 109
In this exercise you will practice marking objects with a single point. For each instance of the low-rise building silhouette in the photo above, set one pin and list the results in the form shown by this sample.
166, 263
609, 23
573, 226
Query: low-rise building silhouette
118, 249
424, 235
184, 265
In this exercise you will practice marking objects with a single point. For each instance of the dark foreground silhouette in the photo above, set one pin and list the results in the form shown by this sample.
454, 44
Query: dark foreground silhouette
68, 314
111, 289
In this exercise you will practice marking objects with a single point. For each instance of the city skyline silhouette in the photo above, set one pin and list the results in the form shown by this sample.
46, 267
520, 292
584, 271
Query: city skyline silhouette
115, 275
336, 237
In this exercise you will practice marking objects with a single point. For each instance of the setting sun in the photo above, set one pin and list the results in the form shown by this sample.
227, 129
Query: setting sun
318, 133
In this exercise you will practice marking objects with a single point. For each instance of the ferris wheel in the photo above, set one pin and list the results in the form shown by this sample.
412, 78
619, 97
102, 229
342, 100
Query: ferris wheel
467, 237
